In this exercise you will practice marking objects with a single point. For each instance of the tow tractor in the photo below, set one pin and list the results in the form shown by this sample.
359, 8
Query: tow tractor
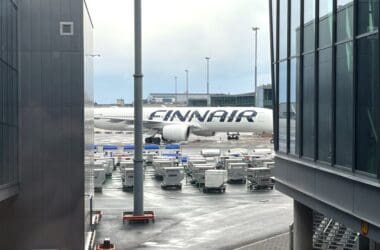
153, 140
233, 136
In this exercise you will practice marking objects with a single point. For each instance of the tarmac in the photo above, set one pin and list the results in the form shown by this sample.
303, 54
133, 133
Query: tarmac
190, 219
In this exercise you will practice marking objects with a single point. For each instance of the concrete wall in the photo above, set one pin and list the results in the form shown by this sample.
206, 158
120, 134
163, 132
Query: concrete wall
49, 211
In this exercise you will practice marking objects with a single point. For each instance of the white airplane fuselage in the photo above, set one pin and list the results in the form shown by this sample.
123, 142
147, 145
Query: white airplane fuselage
201, 119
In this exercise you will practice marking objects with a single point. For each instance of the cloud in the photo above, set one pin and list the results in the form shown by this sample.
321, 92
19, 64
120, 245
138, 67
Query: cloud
177, 35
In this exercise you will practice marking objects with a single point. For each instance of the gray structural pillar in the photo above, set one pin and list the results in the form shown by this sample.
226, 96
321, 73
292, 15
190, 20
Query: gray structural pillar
138, 189
303, 227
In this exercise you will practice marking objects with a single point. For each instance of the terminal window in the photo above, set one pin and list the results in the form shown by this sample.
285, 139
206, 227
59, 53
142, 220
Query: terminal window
8, 96
333, 81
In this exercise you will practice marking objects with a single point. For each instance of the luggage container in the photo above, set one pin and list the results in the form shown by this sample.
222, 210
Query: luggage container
259, 178
215, 181
189, 169
260, 161
237, 172
210, 152
107, 165
263, 151
128, 179
172, 177
149, 157
104, 165
198, 176
211, 160
232, 160
238, 151
159, 164
124, 165
99, 179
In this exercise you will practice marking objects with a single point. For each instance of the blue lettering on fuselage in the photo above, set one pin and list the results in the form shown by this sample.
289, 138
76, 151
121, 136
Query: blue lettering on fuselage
217, 115
198, 115
221, 114
177, 114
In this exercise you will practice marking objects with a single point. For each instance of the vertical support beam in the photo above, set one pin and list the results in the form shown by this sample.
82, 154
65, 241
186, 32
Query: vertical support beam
303, 227
288, 52
333, 85
138, 194
277, 137
316, 81
300, 89
354, 84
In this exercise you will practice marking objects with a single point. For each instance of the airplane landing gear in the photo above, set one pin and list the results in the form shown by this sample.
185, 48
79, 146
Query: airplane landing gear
153, 140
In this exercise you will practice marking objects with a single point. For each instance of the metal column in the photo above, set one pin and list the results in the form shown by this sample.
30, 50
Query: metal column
208, 80
255, 29
187, 86
138, 193
303, 227
176, 89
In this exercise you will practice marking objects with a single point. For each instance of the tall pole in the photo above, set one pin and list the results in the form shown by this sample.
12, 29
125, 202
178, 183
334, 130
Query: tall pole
208, 80
138, 189
255, 29
187, 86
175, 88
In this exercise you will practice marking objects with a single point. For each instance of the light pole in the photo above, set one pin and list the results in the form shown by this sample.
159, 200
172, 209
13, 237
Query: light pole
187, 86
255, 29
138, 189
208, 80
175, 89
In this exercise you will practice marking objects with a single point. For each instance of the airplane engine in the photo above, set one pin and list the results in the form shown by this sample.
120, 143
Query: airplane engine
176, 132
204, 133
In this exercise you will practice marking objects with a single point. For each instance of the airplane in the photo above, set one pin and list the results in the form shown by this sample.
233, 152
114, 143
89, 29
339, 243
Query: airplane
177, 123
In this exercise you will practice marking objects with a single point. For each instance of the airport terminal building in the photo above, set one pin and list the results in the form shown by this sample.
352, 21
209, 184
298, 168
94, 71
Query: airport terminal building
325, 66
46, 124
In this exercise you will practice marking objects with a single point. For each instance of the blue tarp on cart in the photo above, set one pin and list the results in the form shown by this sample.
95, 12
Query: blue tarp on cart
109, 147
151, 147
129, 147
173, 146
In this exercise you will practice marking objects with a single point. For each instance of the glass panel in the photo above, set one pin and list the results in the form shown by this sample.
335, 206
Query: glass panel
295, 27
345, 15
282, 130
283, 34
325, 22
344, 100
324, 108
368, 112
8, 93
309, 26
308, 106
294, 83
368, 15
274, 22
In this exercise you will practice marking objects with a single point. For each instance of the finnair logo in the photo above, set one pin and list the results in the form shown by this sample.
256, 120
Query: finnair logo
207, 116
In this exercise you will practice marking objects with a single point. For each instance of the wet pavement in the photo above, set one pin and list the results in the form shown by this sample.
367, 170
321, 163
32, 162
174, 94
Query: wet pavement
190, 219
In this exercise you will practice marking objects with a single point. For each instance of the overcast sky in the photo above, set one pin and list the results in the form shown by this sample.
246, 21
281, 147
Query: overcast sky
178, 35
